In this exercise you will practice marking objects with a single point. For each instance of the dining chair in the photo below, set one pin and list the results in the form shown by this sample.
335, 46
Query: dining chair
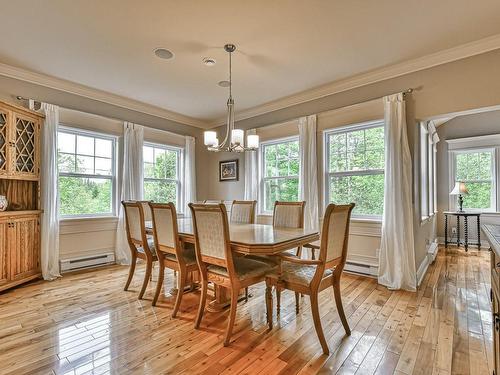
212, 201
310, 277
171, 251
217, 263
140, 244
243, 212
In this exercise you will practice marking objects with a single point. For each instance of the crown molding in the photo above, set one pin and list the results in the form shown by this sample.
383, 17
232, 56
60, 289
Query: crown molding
99, 95
373, 76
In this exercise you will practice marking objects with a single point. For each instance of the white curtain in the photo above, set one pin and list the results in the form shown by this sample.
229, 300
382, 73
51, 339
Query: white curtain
189, 190
308, 173
132, 183
251, 173
49, 198
397, 255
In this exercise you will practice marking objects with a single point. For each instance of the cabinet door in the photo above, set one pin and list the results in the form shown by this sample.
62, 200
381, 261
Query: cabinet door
25, 135
24, 247
4, 253
4, 141
496, 331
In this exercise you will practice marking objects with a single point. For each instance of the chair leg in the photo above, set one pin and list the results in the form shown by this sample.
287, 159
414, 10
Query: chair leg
317, 322
159, 283
313, 254
232, 316
180, 291
246, 294
130, 272
201, 308
340, 307
149, 266
278, 300
299, 252
297, 296
269, 304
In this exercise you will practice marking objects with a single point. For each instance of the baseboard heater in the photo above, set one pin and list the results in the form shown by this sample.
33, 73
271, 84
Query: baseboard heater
361, 269
92, 261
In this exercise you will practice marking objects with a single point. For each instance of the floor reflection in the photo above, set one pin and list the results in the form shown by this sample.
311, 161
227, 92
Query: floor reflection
84, 348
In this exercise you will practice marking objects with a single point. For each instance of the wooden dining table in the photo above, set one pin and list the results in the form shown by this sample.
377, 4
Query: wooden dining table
249, 239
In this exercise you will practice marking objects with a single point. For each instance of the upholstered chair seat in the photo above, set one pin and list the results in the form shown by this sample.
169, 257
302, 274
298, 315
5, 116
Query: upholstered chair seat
245, 268
298, 273
188, 254
151, 245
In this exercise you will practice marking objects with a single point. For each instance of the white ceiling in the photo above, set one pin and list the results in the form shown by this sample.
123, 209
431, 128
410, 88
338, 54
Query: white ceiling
284, 47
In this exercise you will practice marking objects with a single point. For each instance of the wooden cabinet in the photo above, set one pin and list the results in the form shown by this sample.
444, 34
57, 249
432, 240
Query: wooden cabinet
20, 183
493, 234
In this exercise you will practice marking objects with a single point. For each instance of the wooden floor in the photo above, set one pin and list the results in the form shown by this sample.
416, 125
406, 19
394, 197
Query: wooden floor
86, 324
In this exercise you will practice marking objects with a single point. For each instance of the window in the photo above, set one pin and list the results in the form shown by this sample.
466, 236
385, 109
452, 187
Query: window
280, 172
476, 169
355, 168
161, 173
86, 163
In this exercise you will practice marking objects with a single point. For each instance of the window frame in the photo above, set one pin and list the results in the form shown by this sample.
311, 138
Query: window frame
326, 163
262, 171
494, 176
179, 151
62, 128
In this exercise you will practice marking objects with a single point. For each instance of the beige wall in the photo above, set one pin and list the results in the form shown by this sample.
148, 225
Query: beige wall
473, 125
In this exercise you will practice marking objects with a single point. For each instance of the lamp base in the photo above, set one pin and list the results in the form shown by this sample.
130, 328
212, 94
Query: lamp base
460, 203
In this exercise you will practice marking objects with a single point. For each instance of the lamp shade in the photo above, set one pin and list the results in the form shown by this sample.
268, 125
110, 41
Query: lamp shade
459, 189
253, 141
209, 138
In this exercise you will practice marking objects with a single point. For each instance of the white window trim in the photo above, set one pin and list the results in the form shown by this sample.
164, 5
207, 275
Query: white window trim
326, 164
425, 193
114, 185
452, 167
178, 181
262, 179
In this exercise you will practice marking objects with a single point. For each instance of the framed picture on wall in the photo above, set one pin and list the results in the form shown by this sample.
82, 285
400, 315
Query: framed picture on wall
228, 170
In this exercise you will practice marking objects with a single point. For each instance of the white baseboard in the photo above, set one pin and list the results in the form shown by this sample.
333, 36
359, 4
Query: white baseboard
422, 269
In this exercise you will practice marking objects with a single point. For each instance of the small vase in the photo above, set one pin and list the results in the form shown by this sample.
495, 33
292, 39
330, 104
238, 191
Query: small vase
3, 203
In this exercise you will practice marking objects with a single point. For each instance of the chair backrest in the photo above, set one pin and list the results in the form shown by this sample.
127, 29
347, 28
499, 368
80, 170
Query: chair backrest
147, 210
335, 234
165, 231
211, 230
212, 201
288, 214
135, 225
243, 212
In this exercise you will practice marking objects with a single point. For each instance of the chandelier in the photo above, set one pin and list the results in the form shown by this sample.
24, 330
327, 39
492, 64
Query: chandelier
234, 139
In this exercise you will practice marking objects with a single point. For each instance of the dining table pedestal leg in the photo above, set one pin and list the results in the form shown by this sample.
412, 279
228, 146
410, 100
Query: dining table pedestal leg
223, 298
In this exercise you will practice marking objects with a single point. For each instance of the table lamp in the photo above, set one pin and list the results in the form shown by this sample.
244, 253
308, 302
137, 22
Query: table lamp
460, 189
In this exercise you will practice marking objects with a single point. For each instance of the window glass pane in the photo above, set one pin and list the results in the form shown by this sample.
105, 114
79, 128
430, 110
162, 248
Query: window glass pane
485, 166
366, 191
160, 191
283, 189
148, 154
374, 139
149, 170
479, 195
66, 162
103, 148
355, 161
461, 172
84, 145
294, 149
338, 162
94, 196
374, 159
294, 167
356, 141
103, 166
283, 167
282, 150
66, 142
338, 143
171, 164
85, 164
